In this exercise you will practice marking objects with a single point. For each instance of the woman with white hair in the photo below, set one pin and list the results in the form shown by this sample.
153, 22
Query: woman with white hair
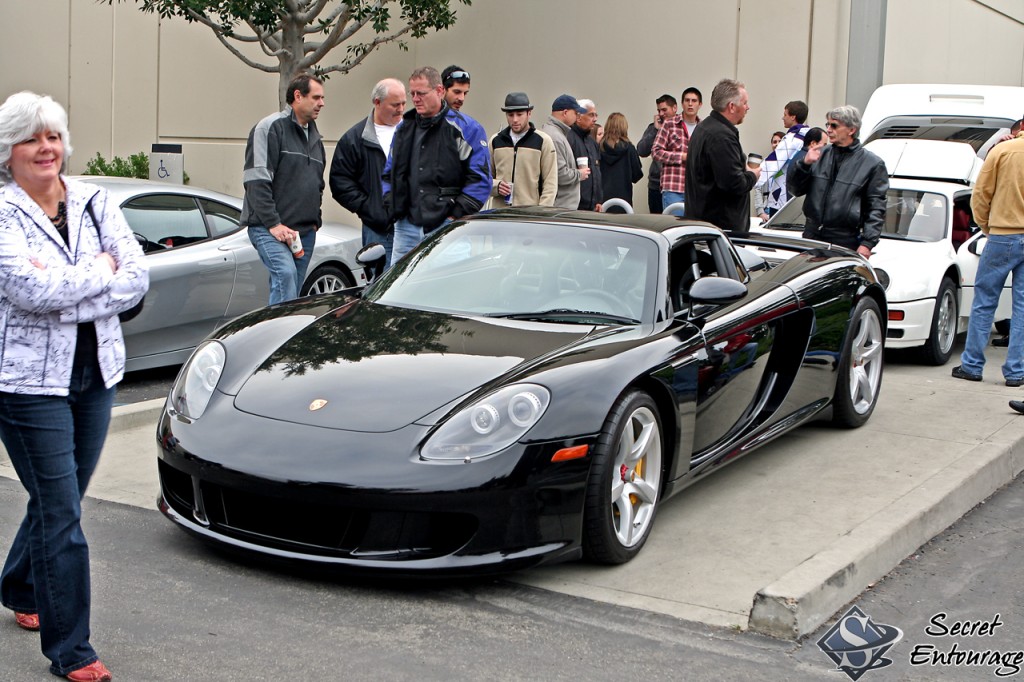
68, 265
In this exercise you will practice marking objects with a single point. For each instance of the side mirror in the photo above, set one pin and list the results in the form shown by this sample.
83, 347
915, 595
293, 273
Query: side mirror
372, 257
717, 290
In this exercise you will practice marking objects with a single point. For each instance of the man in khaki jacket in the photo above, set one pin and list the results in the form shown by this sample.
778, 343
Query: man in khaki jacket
523, 161
998, 206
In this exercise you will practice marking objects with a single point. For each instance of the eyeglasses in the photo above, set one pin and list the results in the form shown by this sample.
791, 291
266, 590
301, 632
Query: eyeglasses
832, 126
419, 94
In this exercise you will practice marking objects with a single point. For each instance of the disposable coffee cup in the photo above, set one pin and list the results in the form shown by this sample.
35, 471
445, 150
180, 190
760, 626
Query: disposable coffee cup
754, 160
582, 162
296, 246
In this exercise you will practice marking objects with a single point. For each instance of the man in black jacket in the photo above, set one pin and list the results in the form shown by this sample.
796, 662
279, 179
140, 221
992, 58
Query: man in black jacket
718, 179
428, 179
584, 144
845, 186
359, 162
667, 108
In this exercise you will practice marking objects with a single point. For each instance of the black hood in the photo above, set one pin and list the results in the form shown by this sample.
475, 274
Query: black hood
380, 368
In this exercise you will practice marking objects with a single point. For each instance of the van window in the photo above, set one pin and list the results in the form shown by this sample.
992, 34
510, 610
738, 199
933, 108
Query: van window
979, 132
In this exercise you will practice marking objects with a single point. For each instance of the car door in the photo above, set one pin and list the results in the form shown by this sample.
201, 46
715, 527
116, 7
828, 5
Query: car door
736, 339
191, 278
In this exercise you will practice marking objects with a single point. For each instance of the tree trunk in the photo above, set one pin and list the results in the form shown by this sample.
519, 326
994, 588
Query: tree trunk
290, 60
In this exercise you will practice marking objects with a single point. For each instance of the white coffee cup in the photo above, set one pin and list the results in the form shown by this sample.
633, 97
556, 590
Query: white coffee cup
754, 160
582, 162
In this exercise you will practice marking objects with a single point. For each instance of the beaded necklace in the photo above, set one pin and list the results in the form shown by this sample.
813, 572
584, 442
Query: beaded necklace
60, 221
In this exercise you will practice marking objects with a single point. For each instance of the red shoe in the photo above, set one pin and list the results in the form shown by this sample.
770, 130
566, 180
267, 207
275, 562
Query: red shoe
94, 672
28, 621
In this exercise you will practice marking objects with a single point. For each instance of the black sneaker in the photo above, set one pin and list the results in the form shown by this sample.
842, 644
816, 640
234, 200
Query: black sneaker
1001, 341
1017, 405
1014, 383
959, 373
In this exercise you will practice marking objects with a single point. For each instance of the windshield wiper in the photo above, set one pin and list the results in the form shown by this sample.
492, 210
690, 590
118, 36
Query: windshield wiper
563, 313
785, 226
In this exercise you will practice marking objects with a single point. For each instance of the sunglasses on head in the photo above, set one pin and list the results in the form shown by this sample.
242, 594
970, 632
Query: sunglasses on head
457, 76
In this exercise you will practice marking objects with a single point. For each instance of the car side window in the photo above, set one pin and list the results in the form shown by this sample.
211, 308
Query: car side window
220, 218
165, 220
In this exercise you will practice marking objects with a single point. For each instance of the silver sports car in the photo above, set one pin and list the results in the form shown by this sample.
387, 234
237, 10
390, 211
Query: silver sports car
203, 269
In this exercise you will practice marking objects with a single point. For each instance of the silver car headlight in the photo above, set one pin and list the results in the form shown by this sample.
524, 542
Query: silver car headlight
489, 425
197, 380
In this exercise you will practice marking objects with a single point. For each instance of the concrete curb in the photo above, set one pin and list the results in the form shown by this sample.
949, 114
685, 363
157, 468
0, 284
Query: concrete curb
807, 596
124, 417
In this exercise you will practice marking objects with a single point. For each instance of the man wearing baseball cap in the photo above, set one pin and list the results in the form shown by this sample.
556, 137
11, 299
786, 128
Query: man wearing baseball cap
524, 164
564, 112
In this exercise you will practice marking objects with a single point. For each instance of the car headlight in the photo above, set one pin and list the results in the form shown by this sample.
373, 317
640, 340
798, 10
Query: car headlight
195, 384
883, 278
489, 425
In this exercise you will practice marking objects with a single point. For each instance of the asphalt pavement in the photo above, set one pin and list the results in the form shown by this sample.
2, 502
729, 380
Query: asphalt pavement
776, 543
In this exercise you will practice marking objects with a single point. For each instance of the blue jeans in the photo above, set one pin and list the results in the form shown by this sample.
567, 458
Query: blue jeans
385, 239
286, 271
54, 443
669, 198
407, 237
1003, 255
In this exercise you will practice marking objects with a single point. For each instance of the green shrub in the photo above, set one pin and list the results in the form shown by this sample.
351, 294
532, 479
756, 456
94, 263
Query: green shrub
135, 166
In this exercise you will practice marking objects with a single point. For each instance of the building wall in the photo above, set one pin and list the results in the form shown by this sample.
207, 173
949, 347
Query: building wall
129, 79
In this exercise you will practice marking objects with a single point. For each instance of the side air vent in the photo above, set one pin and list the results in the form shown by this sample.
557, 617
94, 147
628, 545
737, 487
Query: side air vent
899, 132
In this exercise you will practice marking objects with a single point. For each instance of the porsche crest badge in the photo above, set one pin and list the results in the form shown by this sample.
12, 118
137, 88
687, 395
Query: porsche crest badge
317, 404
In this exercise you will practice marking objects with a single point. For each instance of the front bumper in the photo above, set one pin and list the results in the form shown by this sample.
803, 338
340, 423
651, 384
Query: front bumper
305, 493
915, 327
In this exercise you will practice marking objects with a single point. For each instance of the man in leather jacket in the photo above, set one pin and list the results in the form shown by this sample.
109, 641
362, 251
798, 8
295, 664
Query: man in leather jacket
845, 186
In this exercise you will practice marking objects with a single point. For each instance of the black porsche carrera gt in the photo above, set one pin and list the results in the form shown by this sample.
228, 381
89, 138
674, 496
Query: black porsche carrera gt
527, 386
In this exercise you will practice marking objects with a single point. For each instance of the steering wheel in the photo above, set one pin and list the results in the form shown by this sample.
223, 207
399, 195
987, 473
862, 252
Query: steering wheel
147, 245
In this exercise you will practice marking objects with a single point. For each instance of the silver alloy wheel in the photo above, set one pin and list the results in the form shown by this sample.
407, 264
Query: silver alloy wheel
945, 328
636, 477
866, 361
326, 284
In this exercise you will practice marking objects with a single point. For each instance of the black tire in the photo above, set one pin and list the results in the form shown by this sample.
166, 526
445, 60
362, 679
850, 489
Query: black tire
939, 346
860, 367
326, 279
624, 487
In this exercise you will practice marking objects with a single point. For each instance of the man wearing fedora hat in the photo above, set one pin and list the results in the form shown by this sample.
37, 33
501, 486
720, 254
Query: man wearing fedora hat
523, 160
564, 112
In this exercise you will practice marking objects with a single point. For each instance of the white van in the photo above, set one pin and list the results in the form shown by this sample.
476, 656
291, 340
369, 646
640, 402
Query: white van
975, 114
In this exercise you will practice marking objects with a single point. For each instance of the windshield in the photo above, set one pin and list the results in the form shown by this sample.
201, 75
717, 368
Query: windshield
909, 214
565, 273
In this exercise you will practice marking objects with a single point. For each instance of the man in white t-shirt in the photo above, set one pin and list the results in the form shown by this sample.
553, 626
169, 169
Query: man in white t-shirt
359, 162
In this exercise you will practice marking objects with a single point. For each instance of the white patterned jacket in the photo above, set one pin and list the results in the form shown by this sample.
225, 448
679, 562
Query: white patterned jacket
41, 308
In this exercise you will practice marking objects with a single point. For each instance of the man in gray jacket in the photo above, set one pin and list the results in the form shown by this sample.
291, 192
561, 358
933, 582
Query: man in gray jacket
284, 184
564, 111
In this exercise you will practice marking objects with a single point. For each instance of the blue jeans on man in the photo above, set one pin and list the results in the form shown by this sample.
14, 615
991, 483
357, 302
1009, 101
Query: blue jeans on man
407, 237
1003, 256
669, 198
54, 443
287, 272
